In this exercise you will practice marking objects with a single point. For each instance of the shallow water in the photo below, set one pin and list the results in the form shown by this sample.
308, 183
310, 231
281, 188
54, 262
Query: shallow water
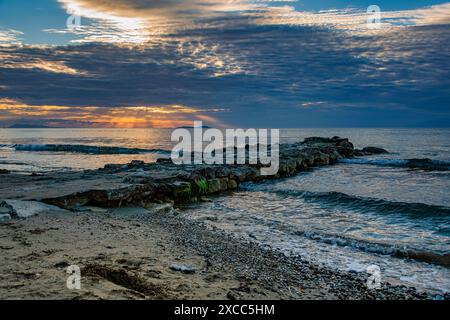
25, 150
347, 216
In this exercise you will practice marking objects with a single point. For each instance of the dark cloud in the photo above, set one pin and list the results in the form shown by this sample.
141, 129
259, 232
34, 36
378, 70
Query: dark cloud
281, 76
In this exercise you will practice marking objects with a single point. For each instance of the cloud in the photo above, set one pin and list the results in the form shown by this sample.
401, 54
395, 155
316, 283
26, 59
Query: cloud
141, 21
8, 36
164, 116
29, 57
267, 73
355, 19
260, 64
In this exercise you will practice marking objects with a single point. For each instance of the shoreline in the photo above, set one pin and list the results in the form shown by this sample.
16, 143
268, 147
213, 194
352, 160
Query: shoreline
134, 253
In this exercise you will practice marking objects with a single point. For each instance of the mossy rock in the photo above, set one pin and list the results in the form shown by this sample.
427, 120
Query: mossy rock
202, 186
183, 191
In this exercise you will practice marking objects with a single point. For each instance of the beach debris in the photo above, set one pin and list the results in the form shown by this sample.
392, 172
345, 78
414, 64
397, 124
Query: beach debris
183, 268
4, 216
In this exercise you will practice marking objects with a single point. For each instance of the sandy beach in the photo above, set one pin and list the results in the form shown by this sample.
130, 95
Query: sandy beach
131, 253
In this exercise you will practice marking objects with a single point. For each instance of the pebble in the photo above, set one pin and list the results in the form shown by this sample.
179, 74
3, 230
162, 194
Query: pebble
183, 268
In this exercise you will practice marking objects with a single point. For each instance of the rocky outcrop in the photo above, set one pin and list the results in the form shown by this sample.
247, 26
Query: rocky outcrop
427, 164
139, 183
24, 209
374, 150
367, 151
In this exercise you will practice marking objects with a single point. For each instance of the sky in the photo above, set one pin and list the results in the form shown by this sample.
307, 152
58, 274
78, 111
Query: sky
229, 63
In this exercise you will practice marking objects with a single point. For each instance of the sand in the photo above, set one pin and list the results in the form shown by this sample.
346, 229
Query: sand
134, 253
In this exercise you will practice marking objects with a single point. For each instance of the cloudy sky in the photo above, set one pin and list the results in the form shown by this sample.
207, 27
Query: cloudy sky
230, 63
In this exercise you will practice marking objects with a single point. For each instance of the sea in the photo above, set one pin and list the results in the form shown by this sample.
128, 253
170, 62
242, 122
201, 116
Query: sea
361, 212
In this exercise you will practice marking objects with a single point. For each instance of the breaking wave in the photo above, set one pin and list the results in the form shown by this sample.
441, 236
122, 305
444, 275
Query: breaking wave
78, 148
378, 248
425, 164
363, 204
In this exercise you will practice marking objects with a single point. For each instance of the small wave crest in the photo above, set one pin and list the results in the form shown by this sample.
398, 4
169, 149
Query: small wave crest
78, 148
378, 248
425, 164
364, 204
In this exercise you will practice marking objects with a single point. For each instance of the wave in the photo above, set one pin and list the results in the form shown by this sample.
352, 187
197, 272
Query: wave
364, 204
378, 248
79, 148
424, 164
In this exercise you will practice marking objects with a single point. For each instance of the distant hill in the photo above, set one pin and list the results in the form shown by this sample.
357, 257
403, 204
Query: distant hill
27, 126
191, 127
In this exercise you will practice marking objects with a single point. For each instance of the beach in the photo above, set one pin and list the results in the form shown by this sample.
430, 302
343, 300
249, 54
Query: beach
130, 253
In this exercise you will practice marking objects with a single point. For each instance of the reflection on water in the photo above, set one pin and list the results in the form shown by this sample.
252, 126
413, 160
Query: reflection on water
38, 160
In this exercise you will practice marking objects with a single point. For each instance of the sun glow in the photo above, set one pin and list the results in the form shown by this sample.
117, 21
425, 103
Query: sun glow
164, 116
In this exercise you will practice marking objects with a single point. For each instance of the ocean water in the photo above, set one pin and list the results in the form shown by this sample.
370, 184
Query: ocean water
373, 210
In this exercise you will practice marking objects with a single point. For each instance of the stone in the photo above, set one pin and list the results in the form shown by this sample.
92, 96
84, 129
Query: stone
213, 185
374, 150
25, 209
183, 269
182, 190
4, 217
321, 159
232, 184
136, 163
159, 207
223, 184
309, 161
4, 171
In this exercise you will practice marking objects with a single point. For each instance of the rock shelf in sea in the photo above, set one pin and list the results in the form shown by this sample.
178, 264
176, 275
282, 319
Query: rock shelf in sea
142, 184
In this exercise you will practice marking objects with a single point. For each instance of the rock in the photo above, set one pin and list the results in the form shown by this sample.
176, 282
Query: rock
359, 153
374, 150
427, 164
4, 217
321, 159
136, 164
4, 171
25, 209
223, 184
183, 268
214, 185
313, 140
164, 160
139, 184
159, 207
232, 184
182, 190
